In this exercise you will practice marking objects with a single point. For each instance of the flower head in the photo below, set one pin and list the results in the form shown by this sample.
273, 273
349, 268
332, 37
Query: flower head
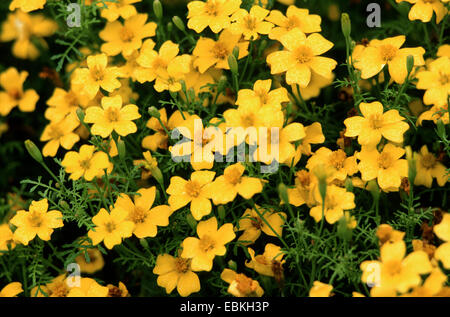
86, 163
241, 285
213, 13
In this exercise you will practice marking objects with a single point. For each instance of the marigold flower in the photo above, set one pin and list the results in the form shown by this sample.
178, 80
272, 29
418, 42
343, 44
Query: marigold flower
320, 289
442, 230
148, 165
386, 167
428, 167
336, 161
120, 8
96, 75
388, 52
88, 288
210, 242
301, 55
423, 10
433, 285
250, 24
241, 285
60, 134
37, 221
226, 187
111, 228
183, 192
387, 234
395, 272
261, 96
253, 223
270, 263
295, 18
126, 38
210, 53
63, 102
86, 163
436, 81
95, 262
145, 218
27, 5
11, 290
112, 116
374, 124
58, 287
176, 272
435, 114
212, 13
14, 95
303, 192
117, 291
337, 200
6, 238
22, 27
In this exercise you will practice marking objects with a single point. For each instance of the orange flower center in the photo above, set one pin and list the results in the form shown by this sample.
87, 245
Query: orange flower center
206, 243
138, 215
385, 160
112, 114
337, 159
303, 54
444, 79
15, 94
245, 285
35, 219
85, 164
248, 120
97, 73
126, 34
110, 226
388, 52
257, 223
59, 290
220, 51
193, 188
71, 99
292, 22
233, 176
182, 265
392, 267
250, 22
428, 161
303, 178
263, 96
55, 132
376, 121
211, 8
159, 63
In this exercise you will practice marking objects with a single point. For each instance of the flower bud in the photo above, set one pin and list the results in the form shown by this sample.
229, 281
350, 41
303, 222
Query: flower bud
232, 265
282, 191
121, 148
409, 63
157, 174
221, 210
178, 23
143, 243
191, 221
80, 114
232, 62
34, 151
373, 188
346, 24
412, 170
154, 112
222, 82
236, 52
321, 174
157, 9
169, 27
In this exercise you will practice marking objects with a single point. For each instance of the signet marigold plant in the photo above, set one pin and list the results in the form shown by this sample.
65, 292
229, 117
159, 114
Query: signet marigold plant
224, 148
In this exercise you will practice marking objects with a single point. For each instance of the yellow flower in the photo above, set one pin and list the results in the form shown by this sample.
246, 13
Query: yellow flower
176, 72
301, 56
252, 224
436, 81
122, 8
225, 188
210, 53
241, 285
250, 24
313, 135
27, 5
388, 52
435, 114
303, 192
148, 165
60, 133
37, 221
11, 290
58, 287
212, 13
374, 124
442, 230
262, 96
14, 95
387, 234
337, 200
86, 163
176, 272
88, 288
95, 263
320, 289
423, 10
22, 27
145, 218
337, 162
183, 192
395, 272
210, 242
6, 238
126, 38
432, 285
428, 167
96, 75
386, 167
444, 50
270, 263
62, 103
112, 116
117, 291
111, 228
